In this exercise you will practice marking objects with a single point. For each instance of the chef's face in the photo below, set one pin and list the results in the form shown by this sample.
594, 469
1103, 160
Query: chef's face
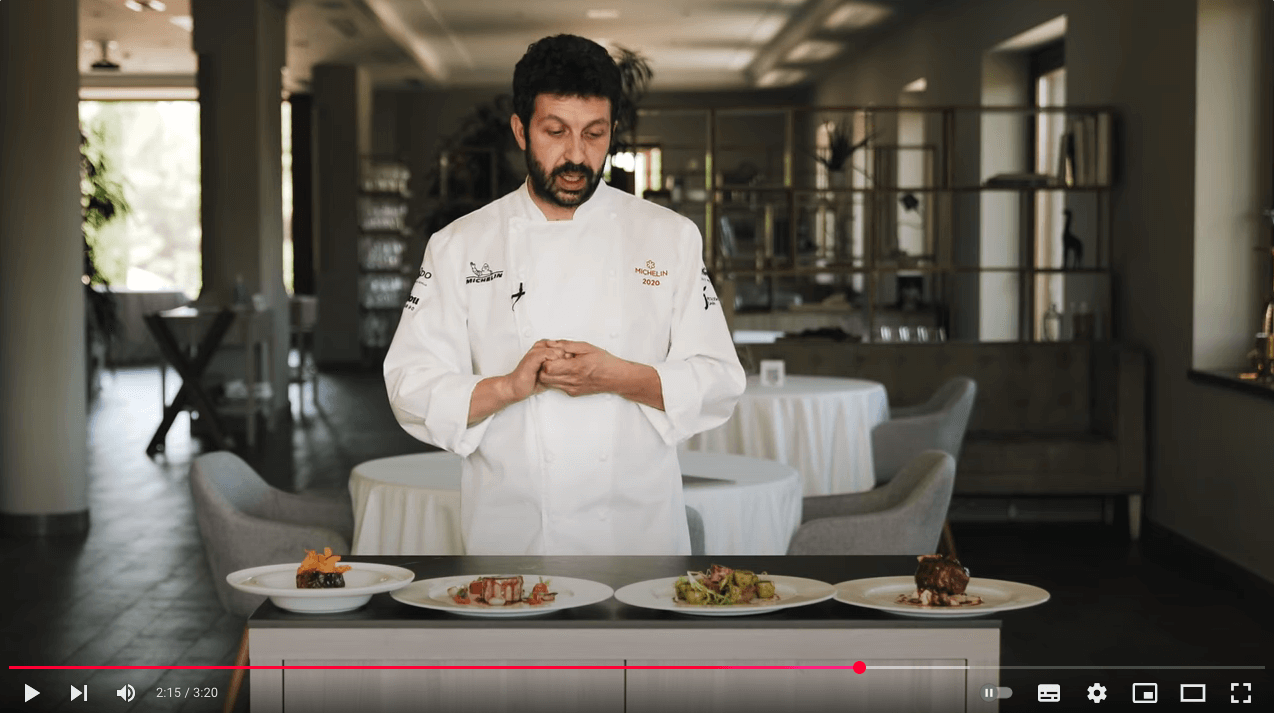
565, 144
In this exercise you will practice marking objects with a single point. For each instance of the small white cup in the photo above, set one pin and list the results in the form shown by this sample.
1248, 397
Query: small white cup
773, 372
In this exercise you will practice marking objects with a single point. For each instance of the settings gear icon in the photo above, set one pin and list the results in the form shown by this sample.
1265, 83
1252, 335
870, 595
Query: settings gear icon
1096, 693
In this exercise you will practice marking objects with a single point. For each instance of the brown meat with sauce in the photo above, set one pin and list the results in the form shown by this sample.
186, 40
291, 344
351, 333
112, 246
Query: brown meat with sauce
941, 574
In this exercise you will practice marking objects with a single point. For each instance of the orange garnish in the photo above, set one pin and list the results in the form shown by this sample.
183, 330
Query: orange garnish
325, 562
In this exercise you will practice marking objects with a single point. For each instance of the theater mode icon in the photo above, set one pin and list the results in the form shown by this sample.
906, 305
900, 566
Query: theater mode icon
1194, 693
1048, 693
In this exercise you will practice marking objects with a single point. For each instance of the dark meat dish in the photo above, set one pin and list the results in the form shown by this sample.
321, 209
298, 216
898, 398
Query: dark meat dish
941, 574
940, 582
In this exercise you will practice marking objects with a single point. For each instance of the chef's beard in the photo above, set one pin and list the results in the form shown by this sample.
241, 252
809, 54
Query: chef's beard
542, 181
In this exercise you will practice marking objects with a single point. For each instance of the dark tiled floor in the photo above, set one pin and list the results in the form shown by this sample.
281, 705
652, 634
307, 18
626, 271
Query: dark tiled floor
135, 590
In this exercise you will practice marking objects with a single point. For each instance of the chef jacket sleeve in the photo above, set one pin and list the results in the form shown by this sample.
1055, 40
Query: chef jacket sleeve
428, 368
701, 378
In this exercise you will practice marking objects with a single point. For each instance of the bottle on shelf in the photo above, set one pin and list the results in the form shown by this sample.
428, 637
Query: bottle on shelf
1052, 324
1085, 324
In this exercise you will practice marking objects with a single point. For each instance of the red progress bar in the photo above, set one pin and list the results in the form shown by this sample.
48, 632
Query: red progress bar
858, 667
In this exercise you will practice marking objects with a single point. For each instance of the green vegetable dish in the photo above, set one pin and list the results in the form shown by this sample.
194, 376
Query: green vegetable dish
722, 586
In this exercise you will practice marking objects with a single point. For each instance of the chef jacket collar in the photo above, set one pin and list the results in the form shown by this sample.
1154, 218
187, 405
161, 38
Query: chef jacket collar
594, 205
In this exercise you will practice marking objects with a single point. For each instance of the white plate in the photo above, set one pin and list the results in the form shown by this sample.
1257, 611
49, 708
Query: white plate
882, 593
278, 582
571, 593
792, 591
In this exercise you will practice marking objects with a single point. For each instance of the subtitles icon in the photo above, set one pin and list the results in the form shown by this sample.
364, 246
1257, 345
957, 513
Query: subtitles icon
1145, 693
1240, 695
1194, 693
1048, 693
127, 692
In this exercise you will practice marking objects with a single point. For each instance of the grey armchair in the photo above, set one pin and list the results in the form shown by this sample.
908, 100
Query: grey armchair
938, 424
695, 521
904, 517
244, 522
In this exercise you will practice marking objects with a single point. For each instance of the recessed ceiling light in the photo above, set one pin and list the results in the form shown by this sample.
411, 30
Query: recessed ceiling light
742, 58
853, 15
139, 5
767, 28
780, 77
185, 22
813, 51
918, 85
603, 14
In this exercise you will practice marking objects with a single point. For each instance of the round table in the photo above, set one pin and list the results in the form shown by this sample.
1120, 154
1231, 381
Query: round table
410, 505
819, 425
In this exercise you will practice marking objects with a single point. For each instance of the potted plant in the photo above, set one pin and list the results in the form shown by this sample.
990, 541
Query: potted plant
102, 202
840, 149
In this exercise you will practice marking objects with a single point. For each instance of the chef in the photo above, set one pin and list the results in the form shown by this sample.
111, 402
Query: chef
565, 338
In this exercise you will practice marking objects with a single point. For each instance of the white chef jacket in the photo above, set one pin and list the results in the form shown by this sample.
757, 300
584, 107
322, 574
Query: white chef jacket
555, 474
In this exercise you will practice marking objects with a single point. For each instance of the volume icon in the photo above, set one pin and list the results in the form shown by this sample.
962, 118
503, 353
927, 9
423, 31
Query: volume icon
127, 692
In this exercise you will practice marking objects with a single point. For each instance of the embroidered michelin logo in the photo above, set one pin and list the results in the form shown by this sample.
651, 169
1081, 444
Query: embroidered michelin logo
483, 274
650, 274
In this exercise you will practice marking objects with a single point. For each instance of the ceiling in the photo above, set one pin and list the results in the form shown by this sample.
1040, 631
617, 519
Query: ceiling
691, 44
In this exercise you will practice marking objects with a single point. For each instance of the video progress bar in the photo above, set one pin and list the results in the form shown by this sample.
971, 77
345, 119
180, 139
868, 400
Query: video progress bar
1077, 668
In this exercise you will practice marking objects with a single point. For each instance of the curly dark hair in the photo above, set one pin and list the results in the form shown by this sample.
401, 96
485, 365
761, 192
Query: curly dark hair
567, 65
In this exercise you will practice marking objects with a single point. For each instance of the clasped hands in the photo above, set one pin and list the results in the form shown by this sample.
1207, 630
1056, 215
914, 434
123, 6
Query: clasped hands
576, 368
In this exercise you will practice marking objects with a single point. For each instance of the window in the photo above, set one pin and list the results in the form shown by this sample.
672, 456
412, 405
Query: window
1048, 88
645, 164
152, 148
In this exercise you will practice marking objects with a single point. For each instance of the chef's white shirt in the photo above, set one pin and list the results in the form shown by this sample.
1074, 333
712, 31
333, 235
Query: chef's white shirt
555, 474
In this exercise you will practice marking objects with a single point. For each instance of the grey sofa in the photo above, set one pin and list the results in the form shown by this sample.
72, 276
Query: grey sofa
1060, 418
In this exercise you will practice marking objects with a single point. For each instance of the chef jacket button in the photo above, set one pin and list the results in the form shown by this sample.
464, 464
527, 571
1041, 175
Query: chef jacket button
548, 456
612, 274
605, 457
604, 515
614, 334
526, 332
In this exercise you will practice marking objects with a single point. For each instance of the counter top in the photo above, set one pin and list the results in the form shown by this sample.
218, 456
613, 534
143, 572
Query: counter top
383, 611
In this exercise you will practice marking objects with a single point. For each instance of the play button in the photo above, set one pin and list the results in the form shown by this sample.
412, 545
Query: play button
31, 693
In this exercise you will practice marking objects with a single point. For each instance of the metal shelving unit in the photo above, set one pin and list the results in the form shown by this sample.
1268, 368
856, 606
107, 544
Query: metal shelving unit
912, 206
384, 277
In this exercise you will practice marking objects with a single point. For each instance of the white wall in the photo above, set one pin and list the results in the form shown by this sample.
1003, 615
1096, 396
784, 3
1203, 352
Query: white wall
1211, 450
1001, 149
1232, 187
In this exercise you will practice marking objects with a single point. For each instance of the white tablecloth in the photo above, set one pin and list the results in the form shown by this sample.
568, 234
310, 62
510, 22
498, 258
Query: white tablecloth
817, 424
410, 505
